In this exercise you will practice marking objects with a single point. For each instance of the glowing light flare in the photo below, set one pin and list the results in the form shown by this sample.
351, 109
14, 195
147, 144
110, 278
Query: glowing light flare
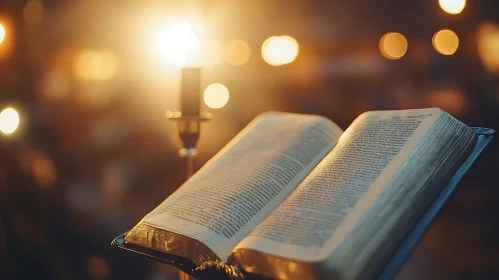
178, 42
9, 120
280, 50
237, 52
2, 33
445, 42
452, 7
393, 45
216, 96
488, 46
95, 65
33, 12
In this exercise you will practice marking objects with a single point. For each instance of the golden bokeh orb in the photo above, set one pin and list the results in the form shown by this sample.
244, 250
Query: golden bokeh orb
393, 45
95, 65
237, 52
488, 46
452, 7
280, 50
445, 42
109, 65
33, 12
216, 96
9, 120
2, 33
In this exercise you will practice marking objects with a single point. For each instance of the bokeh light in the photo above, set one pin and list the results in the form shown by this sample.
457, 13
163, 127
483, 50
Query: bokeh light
2, 33
452, 7
98, 267
393, 45
488, 46
109, 65
40, 166
237, 52
33, 12
43, 170
445, 42
280, 50
216, 96
9, 120
448, 98
178, 43
87, 65
97, 65
55, 85
82, 196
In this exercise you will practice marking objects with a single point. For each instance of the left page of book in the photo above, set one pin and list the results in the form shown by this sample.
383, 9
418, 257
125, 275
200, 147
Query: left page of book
239, 187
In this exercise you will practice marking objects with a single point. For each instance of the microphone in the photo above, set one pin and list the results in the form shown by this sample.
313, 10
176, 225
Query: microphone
189, 118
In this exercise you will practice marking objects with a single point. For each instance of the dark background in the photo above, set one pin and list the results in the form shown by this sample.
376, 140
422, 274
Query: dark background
91, 157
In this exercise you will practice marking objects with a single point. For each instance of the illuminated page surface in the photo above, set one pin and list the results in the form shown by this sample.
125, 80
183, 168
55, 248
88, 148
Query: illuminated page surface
239, 188
344, 184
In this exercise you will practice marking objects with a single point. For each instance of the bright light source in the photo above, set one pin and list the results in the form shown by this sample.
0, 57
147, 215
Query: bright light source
393, 45
177, 42
445, 42
216, 96
488, 46
279, 50
9, 120
237, 52
98, 65
2, 33
33, 12
452, 7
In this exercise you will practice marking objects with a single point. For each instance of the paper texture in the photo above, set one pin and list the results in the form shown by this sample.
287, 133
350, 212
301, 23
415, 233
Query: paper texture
377, 143
239, 188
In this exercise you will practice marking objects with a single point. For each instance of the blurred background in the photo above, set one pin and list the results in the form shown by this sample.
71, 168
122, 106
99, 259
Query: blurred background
86, 150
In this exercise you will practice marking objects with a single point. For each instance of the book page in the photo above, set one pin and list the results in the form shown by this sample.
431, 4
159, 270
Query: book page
370, 151
237, 189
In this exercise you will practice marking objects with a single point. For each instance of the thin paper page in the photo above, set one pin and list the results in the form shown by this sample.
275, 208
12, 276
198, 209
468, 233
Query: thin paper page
240, 186
376, 143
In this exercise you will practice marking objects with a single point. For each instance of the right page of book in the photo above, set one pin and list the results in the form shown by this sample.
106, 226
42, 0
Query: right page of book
346, 181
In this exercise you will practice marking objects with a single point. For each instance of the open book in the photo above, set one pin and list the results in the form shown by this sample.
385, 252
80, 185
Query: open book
294, 196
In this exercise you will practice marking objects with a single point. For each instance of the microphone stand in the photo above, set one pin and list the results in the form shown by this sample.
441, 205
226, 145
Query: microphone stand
189, 130
189, 123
